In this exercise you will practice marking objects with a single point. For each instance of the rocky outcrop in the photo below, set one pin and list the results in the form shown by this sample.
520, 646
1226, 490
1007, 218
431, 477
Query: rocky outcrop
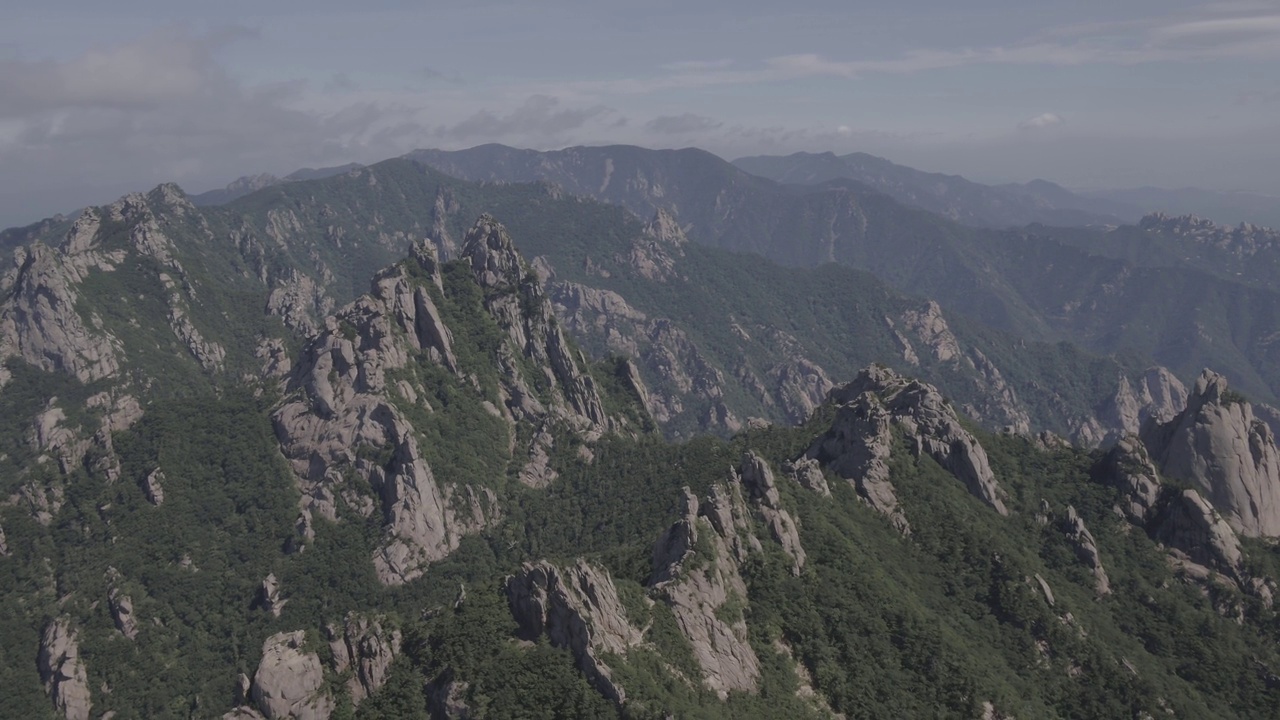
153, 487
63, 671
858, 444
576, 608
653, 254
1156, 396
4, 545
269, 598
289, 682
364, 647
121, 606
1227, 453
757, 478
696, 579
1128, 468
808, 474
1200, 537
515, 298
344, 408
1200, 540
1086, 549
39, 319
857, 448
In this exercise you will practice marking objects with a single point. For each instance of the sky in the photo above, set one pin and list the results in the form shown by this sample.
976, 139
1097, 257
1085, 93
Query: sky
100, 99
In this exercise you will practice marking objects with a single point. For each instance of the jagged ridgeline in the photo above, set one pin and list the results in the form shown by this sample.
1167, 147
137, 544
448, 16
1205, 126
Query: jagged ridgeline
717, 337
223, 497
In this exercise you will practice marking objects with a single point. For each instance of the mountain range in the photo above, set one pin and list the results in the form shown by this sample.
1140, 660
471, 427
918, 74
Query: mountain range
613, 432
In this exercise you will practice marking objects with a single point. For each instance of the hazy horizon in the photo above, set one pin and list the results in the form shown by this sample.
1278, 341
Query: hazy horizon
100, 101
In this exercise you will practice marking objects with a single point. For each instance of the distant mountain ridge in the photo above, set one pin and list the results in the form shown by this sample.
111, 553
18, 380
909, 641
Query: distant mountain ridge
1108, 290
246, 184
950, 196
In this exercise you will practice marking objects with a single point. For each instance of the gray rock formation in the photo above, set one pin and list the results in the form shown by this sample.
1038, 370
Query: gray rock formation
121, 606
695, 584
269, 598
63, 671
516, 300
1219, 446
39, 322
1201, 537
1128, 468
345, 406
153, 487
365, 646
757, 477
1087, 550
857, 448
808, 474
289, 682
1157, 396
576, 608
858, 443
4, 545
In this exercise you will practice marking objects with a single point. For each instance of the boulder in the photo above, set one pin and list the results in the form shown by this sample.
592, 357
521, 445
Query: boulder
289, 682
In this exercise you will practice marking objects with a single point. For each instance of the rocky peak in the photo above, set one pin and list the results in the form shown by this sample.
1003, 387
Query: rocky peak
63, 671
492, 254
1243, 239
858, 443
1226, 452
1128, 468
515, 298
664, 228
1157, 395
696, 574
757, 477
576, 608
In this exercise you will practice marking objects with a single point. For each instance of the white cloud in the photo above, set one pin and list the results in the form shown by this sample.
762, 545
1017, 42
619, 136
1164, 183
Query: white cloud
1043, 120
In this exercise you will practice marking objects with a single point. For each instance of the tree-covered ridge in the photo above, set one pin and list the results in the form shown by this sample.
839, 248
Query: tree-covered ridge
429, 502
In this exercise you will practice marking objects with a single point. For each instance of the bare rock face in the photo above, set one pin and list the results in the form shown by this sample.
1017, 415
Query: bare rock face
653, 254
857, 445
1157, 396
153, 487
857, 448
695, 584
1087, 550
289, 682
1200, 535
121, 606
576, 608
516, 300
366, 647
1230, 455
757, 477
344, 407
1128, 468
269, 598
39, 321
63, 672
808, 474
799, 386
4, 546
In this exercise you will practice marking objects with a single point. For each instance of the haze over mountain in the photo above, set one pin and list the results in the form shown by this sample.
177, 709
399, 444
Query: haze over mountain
491, 431
101, 101
227, 492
